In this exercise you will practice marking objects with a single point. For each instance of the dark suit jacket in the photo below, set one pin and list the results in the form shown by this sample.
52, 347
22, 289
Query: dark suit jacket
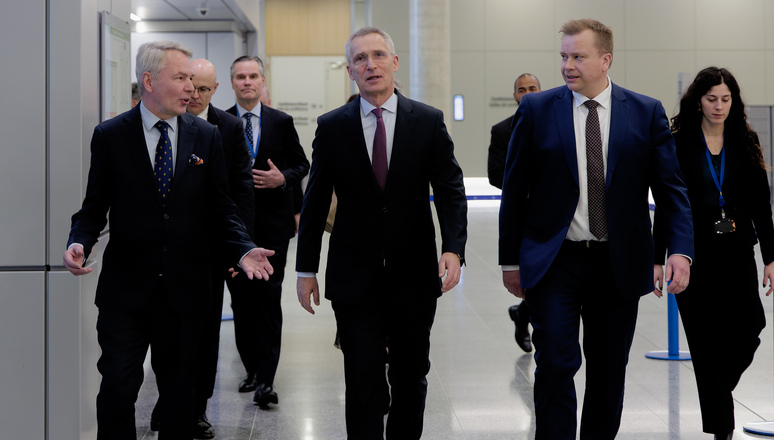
498, 148
745, 188
540, 191
393, 229
279, 142
238, 163
150, 243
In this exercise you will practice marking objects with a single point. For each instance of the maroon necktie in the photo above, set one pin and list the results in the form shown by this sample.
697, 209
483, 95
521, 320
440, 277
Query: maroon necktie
595, 171
379, 157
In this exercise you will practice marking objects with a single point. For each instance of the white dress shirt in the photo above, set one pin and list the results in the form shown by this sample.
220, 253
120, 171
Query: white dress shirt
152, 134
579, 228
390, 107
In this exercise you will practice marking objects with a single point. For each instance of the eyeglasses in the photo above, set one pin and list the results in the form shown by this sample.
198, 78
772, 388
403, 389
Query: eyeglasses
203, 90
378, 57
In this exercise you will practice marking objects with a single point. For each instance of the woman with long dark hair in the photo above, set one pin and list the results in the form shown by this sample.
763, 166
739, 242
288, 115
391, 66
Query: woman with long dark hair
722, 164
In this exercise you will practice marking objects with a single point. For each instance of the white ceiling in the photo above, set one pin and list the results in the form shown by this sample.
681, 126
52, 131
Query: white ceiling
191, 11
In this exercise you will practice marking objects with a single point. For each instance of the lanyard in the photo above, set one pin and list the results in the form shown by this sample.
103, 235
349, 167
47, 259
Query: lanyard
718, 182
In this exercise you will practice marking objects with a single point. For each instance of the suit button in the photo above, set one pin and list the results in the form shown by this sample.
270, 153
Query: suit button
166, 216
161, 275
384, 209
164, 248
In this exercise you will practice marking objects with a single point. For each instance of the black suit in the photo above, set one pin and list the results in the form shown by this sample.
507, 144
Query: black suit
498, 149
256, 304
382, 273
240, 180
155, 279
723, 261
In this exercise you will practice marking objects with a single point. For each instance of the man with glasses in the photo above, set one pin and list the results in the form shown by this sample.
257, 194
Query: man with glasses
279, 164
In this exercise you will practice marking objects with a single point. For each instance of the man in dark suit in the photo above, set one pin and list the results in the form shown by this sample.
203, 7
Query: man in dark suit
240, 182
279, 164
575, 231
160, 176
382, 153
498, 148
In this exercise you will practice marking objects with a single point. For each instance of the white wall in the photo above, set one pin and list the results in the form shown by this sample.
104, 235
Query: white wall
493, 41
220, 48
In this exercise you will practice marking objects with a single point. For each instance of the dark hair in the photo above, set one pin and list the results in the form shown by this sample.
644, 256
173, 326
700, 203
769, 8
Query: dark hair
690, 114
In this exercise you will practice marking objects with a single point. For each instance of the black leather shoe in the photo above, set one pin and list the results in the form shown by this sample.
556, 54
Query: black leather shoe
521, 333
728, 436
155, 422
264, 395
249, 384
203, 428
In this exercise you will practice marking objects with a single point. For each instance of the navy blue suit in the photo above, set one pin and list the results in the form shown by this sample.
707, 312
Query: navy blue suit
602, 284
155, 280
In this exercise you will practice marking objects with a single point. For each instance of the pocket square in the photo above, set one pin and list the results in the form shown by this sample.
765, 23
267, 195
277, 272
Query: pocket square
195, 160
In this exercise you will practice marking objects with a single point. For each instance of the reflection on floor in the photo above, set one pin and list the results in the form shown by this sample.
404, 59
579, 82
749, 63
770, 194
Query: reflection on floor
480, 384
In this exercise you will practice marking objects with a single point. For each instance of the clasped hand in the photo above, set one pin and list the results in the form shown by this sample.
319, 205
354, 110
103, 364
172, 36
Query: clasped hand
268, 179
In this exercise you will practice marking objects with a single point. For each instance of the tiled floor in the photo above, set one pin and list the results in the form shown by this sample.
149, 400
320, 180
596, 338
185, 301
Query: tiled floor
480, 384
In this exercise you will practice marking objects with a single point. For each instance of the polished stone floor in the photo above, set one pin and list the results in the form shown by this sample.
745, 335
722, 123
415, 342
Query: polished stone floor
480, 384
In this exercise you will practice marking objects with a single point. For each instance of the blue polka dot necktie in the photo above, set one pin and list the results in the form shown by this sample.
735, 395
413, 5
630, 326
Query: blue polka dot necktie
162, 164
595, 171
249, 132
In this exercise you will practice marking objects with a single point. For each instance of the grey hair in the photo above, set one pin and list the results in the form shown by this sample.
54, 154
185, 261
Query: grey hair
365, 31
247, 58
150, 58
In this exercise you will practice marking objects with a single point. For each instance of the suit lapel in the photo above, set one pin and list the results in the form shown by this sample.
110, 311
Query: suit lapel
266, 130
212, 116
353, 127
138, 150
405, 121
619, 121
186, 138
563, 108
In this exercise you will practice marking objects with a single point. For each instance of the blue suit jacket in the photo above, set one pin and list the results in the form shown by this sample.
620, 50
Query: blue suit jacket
540, 189
151, 243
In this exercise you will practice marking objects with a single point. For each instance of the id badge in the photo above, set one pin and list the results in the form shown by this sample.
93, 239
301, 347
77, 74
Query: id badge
725, 226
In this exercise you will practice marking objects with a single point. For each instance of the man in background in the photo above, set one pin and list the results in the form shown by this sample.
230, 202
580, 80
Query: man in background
498, 148
279, 164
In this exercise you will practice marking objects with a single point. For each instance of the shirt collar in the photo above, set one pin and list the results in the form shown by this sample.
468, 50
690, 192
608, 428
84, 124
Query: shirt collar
603, 98
391, 105
256, 110
149, 119
205, 113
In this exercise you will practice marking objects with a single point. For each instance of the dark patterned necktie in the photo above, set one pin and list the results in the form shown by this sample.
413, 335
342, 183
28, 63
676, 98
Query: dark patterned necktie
249, 132
595, 171
162, 164
379, 157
